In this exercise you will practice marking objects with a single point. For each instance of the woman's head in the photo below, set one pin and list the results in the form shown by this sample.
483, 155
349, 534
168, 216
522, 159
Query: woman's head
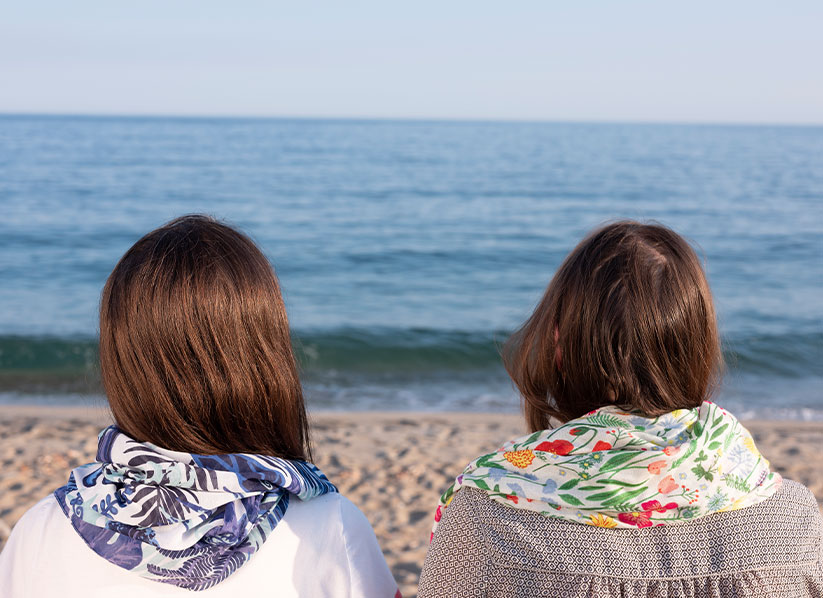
627, 319
195, 350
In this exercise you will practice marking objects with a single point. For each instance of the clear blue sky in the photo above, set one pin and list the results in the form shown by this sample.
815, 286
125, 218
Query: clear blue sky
718, 61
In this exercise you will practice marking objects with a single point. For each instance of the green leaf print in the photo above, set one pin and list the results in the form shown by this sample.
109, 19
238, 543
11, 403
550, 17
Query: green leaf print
697, 428
620, 483
603, 495
447, 494
686, 454
624, 497
589, 488
737, 483
714, 446
702, 474
617, 461
486, 461
481, 484
718, 431
532, 438
572, 500
570, 484
604, 420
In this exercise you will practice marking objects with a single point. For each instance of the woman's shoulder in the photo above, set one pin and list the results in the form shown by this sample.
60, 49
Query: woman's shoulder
331, 511
44, 509
776, 544
332, 546
333, 522
36, 531
323, 546
795, 496
792, 502
785, 528
36, 522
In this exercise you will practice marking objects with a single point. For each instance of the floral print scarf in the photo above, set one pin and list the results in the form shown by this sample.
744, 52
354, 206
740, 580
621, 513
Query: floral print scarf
612, 468
179, 518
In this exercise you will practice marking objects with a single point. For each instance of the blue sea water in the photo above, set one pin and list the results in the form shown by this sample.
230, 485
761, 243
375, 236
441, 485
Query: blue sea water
407, 251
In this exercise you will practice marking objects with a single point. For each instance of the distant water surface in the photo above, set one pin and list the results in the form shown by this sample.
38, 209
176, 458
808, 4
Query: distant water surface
407, 251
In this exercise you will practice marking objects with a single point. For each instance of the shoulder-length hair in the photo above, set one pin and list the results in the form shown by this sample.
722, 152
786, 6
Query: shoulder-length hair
195, 351
627, 319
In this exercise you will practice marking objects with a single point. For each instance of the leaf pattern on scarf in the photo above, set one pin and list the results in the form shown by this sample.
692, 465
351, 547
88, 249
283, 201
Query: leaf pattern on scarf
616, 468
205, 566
184, 519
163, 505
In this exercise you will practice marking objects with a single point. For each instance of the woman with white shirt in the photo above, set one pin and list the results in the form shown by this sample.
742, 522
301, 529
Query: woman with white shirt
205, 482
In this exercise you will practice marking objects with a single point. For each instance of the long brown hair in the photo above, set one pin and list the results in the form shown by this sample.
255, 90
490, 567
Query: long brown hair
195, 351
627, 319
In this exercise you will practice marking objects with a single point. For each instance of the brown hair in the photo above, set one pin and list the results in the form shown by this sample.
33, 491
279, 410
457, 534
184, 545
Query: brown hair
627, 319
195, 350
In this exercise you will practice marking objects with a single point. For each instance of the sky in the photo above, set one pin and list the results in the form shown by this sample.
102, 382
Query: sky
730, 61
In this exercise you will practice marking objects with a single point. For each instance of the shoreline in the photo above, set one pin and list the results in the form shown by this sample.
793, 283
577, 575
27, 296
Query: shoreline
392, 464
102, 416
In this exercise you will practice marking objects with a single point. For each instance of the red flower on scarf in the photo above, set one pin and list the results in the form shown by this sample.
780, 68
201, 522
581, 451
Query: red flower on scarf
439, 513
512, 498
643, 518
638, 518
601, 446
654, 505
558, 447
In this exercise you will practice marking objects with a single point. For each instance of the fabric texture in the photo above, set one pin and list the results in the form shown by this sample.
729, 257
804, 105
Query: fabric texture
322, 548
614, 468
184, 519
484, 548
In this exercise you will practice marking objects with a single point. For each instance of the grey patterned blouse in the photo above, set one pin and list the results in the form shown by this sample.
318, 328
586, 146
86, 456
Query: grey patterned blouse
773, 549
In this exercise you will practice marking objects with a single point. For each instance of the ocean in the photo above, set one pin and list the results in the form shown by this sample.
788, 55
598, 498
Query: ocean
408, 250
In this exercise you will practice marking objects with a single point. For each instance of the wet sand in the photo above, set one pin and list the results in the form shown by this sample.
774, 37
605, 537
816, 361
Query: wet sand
391, 465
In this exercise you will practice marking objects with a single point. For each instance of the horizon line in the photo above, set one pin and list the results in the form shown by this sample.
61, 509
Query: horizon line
409, 119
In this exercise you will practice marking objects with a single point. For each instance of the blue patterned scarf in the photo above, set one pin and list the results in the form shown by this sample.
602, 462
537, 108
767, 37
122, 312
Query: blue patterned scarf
184, 519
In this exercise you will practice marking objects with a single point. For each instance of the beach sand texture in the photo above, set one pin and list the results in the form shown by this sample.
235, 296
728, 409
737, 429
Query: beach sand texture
391, 465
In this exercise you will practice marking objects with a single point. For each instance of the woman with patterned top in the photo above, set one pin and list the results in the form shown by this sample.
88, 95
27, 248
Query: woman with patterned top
644, 488
205, 483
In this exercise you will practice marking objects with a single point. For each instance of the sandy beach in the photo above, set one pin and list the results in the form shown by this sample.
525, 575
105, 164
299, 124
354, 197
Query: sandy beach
392, 465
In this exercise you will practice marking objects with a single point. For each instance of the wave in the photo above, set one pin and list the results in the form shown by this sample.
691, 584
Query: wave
792, 355
398, 350
40, 364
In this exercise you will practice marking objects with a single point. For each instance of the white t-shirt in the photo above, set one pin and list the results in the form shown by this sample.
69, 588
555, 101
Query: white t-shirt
322, 547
